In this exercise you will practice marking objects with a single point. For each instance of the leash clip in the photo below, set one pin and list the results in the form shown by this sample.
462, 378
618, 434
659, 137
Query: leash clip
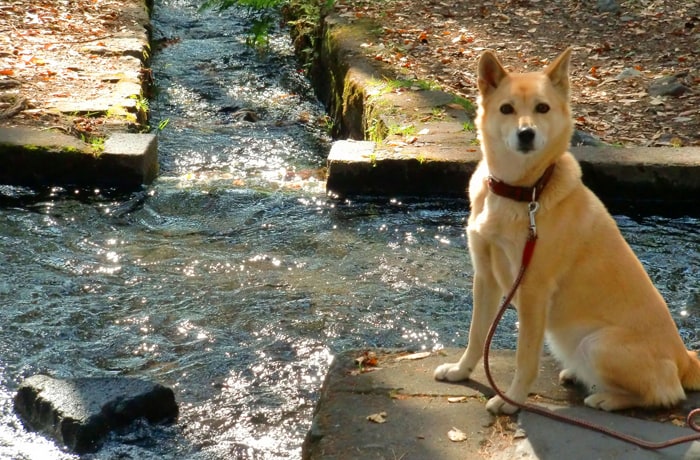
532, 209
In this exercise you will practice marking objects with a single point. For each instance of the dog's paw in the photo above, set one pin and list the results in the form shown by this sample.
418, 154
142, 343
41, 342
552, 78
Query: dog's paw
567, 377
497, 405
451, 372
610, 401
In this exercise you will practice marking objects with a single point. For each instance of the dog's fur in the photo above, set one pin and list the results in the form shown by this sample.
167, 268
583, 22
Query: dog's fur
584, 290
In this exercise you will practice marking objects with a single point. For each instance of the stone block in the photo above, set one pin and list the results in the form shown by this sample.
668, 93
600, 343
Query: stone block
79, 413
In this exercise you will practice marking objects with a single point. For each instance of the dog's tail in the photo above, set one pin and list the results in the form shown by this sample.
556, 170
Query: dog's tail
690, 380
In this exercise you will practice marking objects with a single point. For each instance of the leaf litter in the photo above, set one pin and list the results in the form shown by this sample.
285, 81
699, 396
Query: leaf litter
617, 55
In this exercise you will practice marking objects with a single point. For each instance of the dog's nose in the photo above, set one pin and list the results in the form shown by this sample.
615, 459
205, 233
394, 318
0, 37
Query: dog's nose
526, 135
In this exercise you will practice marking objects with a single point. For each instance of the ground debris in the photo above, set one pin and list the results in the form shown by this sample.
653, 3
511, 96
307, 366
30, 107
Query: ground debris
379, 417
607, 65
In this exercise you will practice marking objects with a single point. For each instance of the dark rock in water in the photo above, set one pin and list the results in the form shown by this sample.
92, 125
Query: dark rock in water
229, 109
79, 413
247, 115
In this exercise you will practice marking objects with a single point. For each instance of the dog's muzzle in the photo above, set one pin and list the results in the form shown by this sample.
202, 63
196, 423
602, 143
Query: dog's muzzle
526, 139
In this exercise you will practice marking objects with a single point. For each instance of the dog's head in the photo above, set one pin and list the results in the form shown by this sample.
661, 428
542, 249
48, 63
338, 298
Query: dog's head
524, 119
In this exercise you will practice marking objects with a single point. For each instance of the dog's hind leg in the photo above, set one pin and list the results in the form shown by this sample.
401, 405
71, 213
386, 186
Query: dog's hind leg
691, 377
629, 374
661, 389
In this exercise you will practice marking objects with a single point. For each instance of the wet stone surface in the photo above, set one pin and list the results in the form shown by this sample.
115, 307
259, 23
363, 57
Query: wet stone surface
79, 413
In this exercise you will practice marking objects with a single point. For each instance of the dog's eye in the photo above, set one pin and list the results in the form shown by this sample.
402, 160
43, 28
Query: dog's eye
542, 108
507, 109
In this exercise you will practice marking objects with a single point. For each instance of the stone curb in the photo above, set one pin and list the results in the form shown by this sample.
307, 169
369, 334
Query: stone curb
616, 174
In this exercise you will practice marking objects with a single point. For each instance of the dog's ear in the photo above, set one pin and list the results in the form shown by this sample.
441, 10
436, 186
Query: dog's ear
490, 73
558, 71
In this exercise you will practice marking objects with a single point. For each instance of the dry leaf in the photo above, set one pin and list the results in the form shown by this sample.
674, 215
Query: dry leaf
678, 422
456, 399
368, 358
379, 417
413, 356
456, 435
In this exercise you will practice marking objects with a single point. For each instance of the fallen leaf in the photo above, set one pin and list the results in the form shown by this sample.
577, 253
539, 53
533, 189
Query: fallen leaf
379, 417
678, 422
412, 356
456, 435
456, 399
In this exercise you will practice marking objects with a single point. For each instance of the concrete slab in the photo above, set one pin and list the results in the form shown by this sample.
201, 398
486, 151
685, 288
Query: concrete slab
420, 412
33, 157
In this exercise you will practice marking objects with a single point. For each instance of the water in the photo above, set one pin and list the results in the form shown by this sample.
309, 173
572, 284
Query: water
233, 279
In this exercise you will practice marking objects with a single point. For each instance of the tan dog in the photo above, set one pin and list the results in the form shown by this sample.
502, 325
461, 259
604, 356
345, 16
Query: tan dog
584, 290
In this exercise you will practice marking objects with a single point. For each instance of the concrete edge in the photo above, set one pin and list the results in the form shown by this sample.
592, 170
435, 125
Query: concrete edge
34, 157
616, 174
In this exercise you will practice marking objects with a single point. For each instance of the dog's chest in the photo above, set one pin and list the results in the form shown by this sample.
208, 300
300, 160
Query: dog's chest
498, 223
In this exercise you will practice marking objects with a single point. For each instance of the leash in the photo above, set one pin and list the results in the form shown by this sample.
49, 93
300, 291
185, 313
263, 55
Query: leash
528, 251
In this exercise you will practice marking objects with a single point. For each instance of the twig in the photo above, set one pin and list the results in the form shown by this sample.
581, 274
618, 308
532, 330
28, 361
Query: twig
19, 105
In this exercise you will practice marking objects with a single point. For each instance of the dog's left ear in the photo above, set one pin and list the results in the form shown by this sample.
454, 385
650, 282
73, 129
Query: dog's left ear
490, 72
558, 72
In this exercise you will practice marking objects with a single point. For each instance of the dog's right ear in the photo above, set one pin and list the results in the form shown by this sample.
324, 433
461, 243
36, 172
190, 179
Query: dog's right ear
490, 73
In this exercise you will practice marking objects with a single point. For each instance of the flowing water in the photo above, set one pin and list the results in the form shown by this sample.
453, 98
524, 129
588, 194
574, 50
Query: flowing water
233, 279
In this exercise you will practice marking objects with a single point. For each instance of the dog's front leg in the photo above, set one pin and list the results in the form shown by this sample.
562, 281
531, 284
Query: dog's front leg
532, 319
486, 295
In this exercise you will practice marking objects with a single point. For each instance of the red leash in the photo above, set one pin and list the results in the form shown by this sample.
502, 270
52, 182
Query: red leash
527, 256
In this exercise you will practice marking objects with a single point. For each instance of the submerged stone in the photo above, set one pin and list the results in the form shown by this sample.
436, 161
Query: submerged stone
80, 412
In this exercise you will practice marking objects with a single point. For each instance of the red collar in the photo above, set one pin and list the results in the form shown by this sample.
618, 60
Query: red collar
517, 193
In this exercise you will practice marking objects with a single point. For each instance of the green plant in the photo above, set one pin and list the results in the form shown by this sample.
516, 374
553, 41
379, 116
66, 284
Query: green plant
465, 103
303, 17
259, 33
437, 113
97, 144
423, 85
141, 102
163, 123
254, 4
327, 123
401, 130
264, 11
468, 126
373, 159
373, 131
308, 14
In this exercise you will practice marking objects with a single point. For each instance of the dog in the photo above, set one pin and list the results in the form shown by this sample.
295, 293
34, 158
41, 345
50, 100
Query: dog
585, 291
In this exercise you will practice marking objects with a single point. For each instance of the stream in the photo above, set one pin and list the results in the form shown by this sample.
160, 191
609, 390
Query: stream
233, 279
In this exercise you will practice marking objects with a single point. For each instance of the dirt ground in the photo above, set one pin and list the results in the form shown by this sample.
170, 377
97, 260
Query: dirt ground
618, 56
